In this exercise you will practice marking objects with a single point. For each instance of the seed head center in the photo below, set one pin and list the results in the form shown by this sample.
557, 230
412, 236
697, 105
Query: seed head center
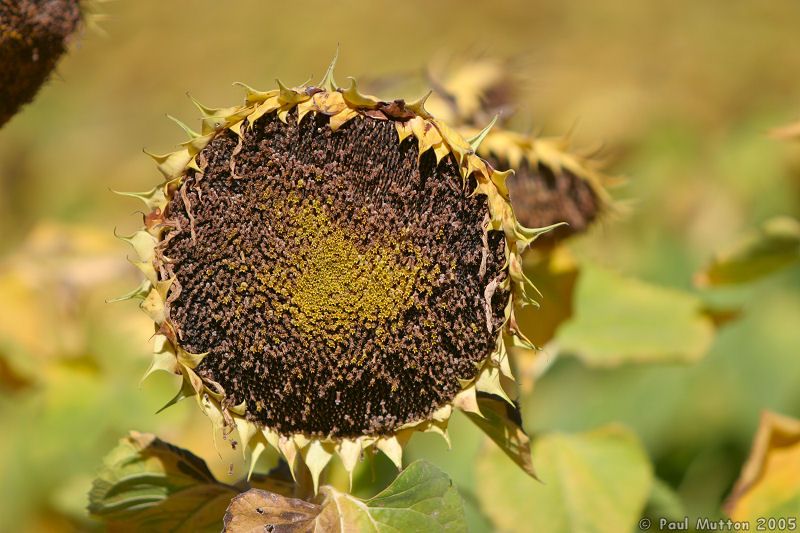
344, 285
338, 281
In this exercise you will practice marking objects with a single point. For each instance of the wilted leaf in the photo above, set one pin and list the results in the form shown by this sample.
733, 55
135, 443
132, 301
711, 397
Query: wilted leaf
591, 482
150, 485
775, 245
622, 320
503, 424
257, 510
769, 485
421, 498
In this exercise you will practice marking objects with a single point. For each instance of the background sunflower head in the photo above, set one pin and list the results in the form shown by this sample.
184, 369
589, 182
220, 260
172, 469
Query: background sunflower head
33, 36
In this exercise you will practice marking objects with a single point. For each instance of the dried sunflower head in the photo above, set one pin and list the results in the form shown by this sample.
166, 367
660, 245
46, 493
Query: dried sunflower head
33, 36
330, 272
471, 89
551, 184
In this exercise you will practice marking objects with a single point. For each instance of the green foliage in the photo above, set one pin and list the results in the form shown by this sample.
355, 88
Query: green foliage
422, 497
622, 320
591, 482
772, 247
664, 502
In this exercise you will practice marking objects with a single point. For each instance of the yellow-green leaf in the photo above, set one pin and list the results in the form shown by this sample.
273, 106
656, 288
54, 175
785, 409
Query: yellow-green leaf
622, 320
664, 503
421, 498
773, 246
769, 485
555, 275
595, 482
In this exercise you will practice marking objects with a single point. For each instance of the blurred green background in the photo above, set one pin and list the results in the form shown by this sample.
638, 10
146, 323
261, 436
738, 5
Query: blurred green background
679, 94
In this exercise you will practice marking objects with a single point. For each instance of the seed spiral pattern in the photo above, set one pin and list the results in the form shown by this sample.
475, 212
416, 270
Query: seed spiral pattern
336, 279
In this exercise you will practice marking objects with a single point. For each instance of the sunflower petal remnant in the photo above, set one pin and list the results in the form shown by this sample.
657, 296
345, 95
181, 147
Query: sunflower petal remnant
330, 273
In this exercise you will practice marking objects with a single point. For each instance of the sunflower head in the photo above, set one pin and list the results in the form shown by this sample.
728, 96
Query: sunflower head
330, 272
551, 184
33, 36
471, 89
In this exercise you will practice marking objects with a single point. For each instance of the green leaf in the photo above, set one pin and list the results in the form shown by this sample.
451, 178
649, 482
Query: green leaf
421, 498
421, 495
621, 320
593, 482
774, 246
150, 485
664, 502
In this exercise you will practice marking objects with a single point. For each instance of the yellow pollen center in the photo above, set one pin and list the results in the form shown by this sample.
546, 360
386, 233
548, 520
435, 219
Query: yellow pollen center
343, 283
